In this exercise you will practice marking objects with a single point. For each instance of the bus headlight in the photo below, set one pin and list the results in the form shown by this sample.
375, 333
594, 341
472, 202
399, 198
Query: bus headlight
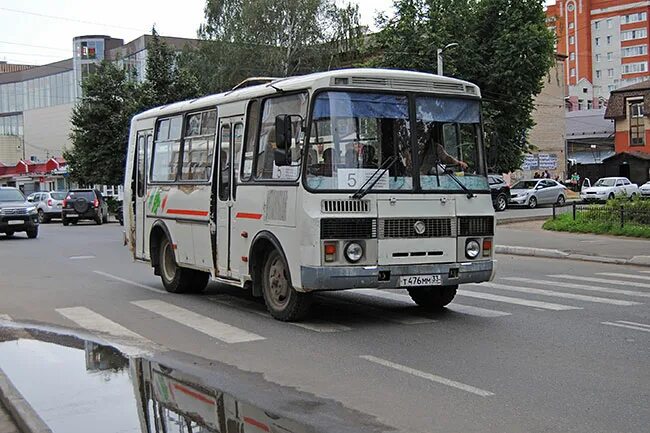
472, 249
353, 252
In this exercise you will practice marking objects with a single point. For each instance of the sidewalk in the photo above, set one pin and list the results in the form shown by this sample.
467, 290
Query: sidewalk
529, 239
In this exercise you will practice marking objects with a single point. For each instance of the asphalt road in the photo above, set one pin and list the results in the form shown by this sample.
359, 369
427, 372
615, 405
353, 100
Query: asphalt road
567, 349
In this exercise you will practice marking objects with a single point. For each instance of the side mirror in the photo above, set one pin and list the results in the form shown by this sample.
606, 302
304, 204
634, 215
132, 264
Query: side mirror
282, 158
30, 199
283, 131
539, 187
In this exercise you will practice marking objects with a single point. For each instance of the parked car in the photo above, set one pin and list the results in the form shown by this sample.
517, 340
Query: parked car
607, 188
48, 204
533, 192
17, 214
84, 204
644, 190
500, 192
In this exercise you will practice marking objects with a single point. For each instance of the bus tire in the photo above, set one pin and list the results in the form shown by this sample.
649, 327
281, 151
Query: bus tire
174, 278
434, 297
199, 281
281, 299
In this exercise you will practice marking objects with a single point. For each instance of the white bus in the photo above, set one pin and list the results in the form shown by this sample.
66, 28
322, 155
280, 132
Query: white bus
357, 178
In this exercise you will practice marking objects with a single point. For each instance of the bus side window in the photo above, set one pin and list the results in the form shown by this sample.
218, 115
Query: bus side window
252, 126
238, 137
166, 150
198, 145
224, 163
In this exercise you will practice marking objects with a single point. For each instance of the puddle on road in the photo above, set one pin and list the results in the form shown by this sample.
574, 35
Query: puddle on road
77, 386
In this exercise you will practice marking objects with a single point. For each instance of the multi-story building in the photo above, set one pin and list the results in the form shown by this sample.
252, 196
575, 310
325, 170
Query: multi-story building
606, 42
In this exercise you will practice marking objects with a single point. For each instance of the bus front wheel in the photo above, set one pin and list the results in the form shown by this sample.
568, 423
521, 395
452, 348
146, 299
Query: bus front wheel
433, 298
175, 278
281, 299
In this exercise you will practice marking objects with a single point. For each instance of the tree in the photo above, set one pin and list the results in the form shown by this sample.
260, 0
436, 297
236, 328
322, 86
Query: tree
100, 126
504, 47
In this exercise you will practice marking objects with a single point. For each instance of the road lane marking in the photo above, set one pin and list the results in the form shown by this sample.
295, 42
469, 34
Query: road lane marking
616, 274
5, 317
213, 328
629, 325
97, 323
252, 307
133, 283
428, 376
580, 286
559, 294
601, 280
464, 309
81, 257
517, 301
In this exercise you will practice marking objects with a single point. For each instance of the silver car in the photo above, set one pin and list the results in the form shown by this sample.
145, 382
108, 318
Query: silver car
48, 204
533, 192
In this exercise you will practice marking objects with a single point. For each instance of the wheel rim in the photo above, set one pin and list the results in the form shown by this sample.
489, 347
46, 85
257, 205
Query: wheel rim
278, 284
501, 203
168, 262
533, 202
560, 200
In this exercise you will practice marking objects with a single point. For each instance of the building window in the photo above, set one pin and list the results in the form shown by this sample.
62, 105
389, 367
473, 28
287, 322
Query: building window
596, 25
609, 40
633, 68
610, 24
599, 73
597, 41
597, 58
572, 40
611, 87
634, 34
590, 104
610, 55
572, 56
610, 73
635, 18
571, 26
573, 72
638, 50
637, 127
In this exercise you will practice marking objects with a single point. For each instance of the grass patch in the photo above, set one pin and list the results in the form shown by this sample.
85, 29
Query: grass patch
587, 224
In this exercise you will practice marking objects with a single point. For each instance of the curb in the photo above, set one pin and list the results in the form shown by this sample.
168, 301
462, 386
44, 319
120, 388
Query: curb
20, 410
522, 219
557, 254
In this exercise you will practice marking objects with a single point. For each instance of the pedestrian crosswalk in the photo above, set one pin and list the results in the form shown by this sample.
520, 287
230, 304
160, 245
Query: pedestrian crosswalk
349, 311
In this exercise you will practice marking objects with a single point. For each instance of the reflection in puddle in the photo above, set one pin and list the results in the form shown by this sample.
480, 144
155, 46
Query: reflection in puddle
81, 386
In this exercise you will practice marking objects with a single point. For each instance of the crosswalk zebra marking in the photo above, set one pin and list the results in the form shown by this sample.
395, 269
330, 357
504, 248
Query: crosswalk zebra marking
580, 286
616, 274
629, 325
134, 344
601, 280
219, 330
559, 294
517, 301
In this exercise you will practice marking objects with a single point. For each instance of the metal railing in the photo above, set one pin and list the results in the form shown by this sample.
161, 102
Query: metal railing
621, 214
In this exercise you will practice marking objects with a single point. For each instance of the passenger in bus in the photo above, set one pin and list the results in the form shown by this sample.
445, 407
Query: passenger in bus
368, 156
438, 153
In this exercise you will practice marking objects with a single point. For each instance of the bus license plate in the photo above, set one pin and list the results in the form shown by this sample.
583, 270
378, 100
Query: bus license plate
420, 280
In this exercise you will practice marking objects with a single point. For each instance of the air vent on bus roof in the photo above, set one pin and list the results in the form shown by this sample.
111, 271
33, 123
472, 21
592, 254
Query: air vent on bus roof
345, 206
410, 84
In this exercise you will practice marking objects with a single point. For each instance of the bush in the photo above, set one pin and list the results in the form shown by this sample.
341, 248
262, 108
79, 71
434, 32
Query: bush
113, 205
602, 220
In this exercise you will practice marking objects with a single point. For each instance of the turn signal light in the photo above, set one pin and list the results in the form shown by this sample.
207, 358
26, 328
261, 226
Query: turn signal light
487, 247
330, 251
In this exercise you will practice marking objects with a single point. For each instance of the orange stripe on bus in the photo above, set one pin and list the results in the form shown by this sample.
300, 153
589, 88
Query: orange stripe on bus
257, 424
187, 212
252, 216
193, 394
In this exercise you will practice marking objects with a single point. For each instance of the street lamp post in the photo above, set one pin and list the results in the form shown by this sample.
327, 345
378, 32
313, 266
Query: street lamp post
440, 51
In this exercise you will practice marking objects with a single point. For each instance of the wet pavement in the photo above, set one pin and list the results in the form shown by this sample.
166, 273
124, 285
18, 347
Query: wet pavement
78, 385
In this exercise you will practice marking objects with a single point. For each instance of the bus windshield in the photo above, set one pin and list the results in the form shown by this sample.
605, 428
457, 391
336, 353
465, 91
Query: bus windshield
353, 134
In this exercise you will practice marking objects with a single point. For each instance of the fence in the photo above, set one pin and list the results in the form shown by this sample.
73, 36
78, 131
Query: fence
619, 214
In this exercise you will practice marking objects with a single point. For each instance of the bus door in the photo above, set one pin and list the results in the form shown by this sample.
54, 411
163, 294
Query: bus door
230, 143
142, 152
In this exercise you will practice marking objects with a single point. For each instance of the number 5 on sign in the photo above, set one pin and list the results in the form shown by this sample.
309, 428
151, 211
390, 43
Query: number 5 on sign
354, 178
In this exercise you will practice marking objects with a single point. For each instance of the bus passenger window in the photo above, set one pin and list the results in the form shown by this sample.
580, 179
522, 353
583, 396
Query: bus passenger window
166, 150
252, 123
198, 145
224, 163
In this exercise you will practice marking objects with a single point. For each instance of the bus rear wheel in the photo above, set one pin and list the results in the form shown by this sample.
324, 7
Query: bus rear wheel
175, 278
281, 299
434, 297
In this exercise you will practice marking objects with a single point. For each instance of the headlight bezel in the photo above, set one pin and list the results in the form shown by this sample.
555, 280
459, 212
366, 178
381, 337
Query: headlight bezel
474, 252
353, 257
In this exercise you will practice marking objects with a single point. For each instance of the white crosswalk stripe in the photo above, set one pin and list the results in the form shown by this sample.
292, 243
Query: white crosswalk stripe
517, 301
616, 274
464, 309
129, 342
544, 292
579, 286
5, 317
252, 307
629, 325
219, 330
601, 280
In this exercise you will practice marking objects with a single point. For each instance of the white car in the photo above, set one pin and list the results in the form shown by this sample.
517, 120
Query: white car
644, 190
607, 188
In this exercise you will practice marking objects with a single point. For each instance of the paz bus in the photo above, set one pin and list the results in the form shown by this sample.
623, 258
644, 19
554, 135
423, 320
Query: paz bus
354, 178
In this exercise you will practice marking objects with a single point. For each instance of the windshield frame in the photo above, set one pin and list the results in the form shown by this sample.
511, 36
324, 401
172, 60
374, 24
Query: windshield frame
412, 121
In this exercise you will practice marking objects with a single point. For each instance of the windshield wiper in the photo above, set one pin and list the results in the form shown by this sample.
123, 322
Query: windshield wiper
374, 178
455, 178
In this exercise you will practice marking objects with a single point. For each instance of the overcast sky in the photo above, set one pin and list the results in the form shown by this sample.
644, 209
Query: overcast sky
40, 31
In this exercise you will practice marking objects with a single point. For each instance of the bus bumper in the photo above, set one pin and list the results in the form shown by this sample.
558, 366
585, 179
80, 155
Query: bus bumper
317, 278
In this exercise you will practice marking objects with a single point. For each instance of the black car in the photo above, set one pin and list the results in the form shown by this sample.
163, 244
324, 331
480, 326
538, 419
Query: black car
500, 192
84, 204
17, 214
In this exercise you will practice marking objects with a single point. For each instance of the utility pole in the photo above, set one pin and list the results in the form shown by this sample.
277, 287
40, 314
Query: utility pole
440, 51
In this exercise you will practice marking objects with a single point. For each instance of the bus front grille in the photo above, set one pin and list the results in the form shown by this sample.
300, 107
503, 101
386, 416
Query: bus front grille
404, 228
348, 228
476, 226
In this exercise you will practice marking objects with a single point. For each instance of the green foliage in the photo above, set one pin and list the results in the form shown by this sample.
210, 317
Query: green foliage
100, 126
504, 47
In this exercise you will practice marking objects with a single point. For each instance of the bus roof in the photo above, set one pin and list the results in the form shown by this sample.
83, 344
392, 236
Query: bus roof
358, 78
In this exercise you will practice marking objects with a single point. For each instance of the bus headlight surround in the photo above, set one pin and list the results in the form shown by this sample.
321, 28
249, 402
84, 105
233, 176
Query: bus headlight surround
472, 249
353, 252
